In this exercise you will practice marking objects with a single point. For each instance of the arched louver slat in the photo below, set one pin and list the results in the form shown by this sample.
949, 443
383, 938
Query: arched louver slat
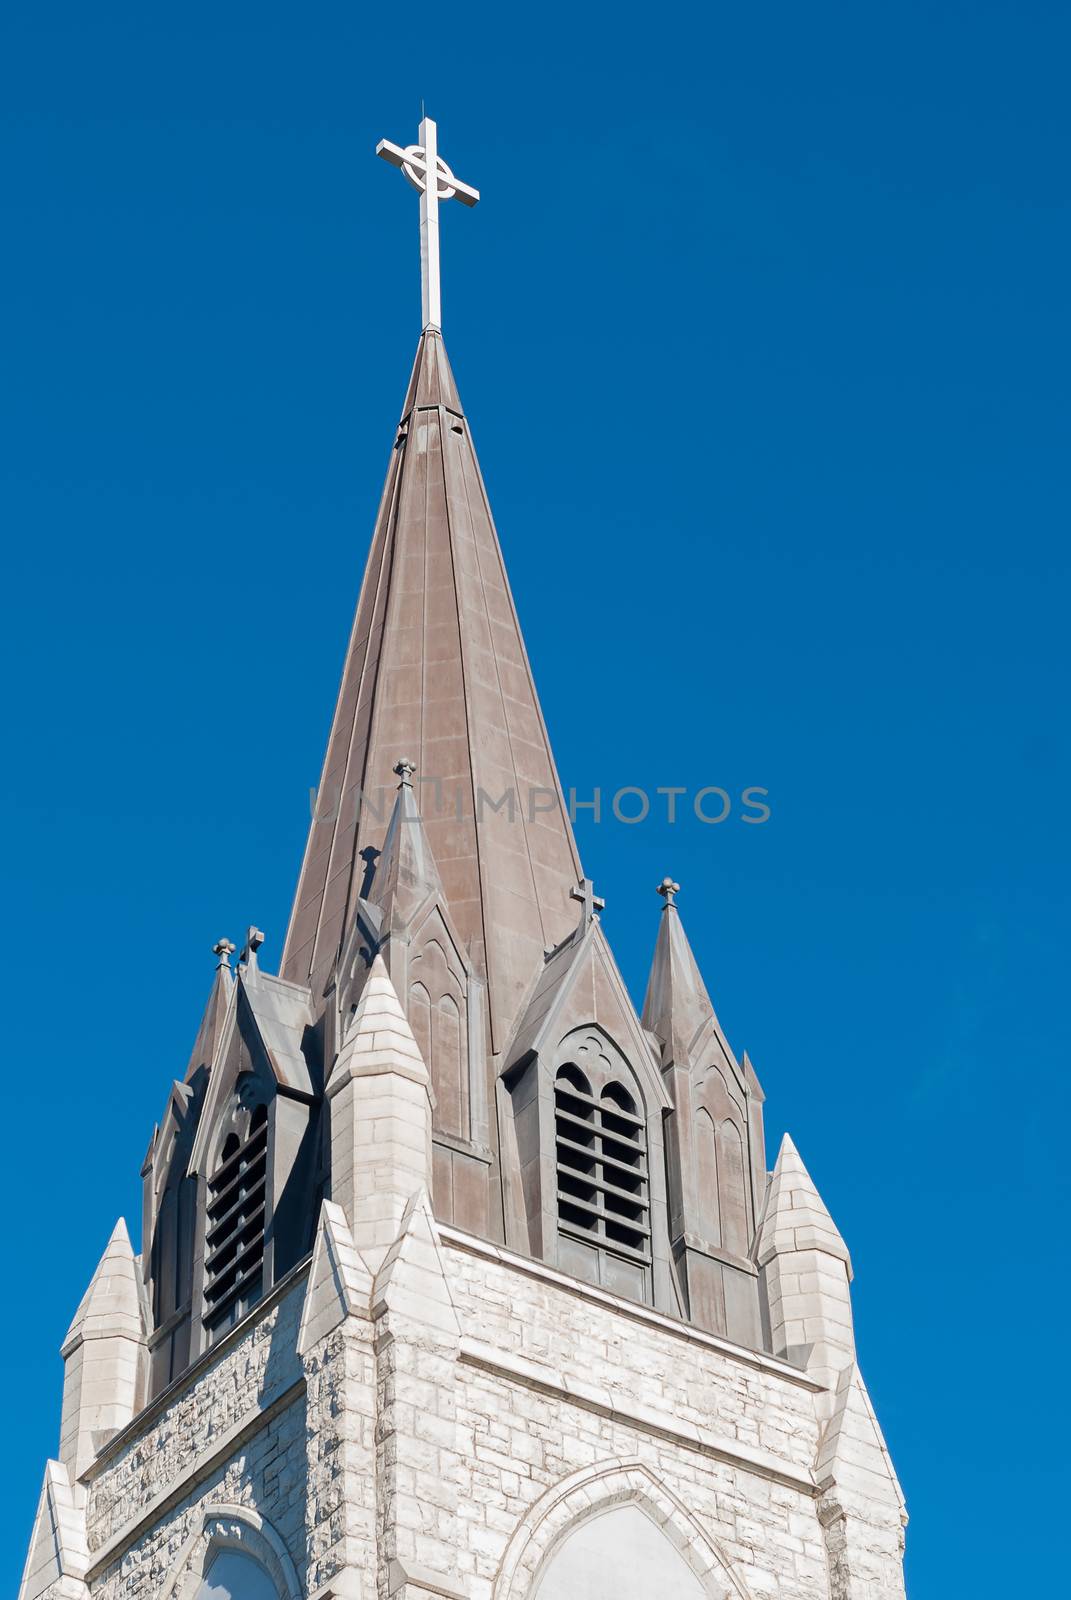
601, 1157
234, 1235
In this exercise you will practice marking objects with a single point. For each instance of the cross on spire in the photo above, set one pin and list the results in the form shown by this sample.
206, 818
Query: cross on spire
416, 161
592, 902
669, 890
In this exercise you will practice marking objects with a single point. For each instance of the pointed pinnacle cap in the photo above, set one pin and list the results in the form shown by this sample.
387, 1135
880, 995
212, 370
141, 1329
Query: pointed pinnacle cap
677, 1004
215, 1012
796, 1218
379, 1038
406, 874
111, 1306
339, 1284
412, 1280
58, 1546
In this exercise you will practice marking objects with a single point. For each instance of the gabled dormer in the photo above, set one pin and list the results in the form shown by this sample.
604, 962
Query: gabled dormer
234, 1171
582, 1113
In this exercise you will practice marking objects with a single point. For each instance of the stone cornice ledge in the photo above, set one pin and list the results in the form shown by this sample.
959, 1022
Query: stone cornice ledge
618, 1408
202, 1467
408, 1572
758, 1360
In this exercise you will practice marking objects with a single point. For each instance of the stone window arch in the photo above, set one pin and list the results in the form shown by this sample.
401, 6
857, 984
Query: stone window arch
553, 1543
233, 1554
619, 1553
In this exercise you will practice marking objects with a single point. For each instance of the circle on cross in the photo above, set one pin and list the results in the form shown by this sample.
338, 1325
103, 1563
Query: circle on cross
415, 168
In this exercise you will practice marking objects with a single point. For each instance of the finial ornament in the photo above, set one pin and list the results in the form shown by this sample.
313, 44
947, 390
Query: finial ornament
224, 949
669, 890
405, 770
591, 902
416, 162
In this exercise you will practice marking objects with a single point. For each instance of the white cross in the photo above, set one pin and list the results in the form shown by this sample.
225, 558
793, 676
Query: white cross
593, 903
416, 161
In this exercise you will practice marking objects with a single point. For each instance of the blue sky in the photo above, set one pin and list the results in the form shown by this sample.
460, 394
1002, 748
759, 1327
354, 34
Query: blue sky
762, 326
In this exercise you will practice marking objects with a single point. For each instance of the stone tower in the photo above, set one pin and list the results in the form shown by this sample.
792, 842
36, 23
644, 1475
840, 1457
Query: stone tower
459, 1276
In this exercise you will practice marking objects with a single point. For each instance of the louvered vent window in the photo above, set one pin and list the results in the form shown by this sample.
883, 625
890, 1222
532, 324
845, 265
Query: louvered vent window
234, 1238
602, 1165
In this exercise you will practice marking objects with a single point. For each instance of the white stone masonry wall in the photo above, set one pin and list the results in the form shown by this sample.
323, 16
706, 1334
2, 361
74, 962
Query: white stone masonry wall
681, 1408
236, 1436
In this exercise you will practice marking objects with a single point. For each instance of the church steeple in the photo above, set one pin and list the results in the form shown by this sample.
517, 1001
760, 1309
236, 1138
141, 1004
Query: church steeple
436, 667
438, 1176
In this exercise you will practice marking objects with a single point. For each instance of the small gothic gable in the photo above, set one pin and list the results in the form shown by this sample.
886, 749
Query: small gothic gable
233, 1175
583, 1118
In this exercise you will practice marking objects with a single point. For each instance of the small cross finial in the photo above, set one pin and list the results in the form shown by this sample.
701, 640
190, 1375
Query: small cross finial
224, 949
669, 890
417, 161
591, 902
253, 941
405, 770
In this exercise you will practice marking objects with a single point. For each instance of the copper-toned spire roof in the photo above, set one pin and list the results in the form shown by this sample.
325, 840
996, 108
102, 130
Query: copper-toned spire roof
436, 667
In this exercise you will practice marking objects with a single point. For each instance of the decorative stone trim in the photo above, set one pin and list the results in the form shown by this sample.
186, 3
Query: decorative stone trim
408, 1574
596, 1489
231, 1527
619, 1408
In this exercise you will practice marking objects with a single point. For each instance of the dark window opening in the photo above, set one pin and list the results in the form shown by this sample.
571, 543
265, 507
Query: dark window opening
601, 1160
234, 1228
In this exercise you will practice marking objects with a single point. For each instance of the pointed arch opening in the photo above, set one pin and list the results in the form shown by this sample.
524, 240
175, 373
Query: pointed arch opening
232, 1575
232, 1554
576, 1541
601, 1166
620, 1553
438, 1015
235, 1222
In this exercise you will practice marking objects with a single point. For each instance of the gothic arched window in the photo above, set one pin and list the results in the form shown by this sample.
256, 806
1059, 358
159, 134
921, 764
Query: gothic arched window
722, 1168
234, 1226
235, 1576
601, 1164
618, 1555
